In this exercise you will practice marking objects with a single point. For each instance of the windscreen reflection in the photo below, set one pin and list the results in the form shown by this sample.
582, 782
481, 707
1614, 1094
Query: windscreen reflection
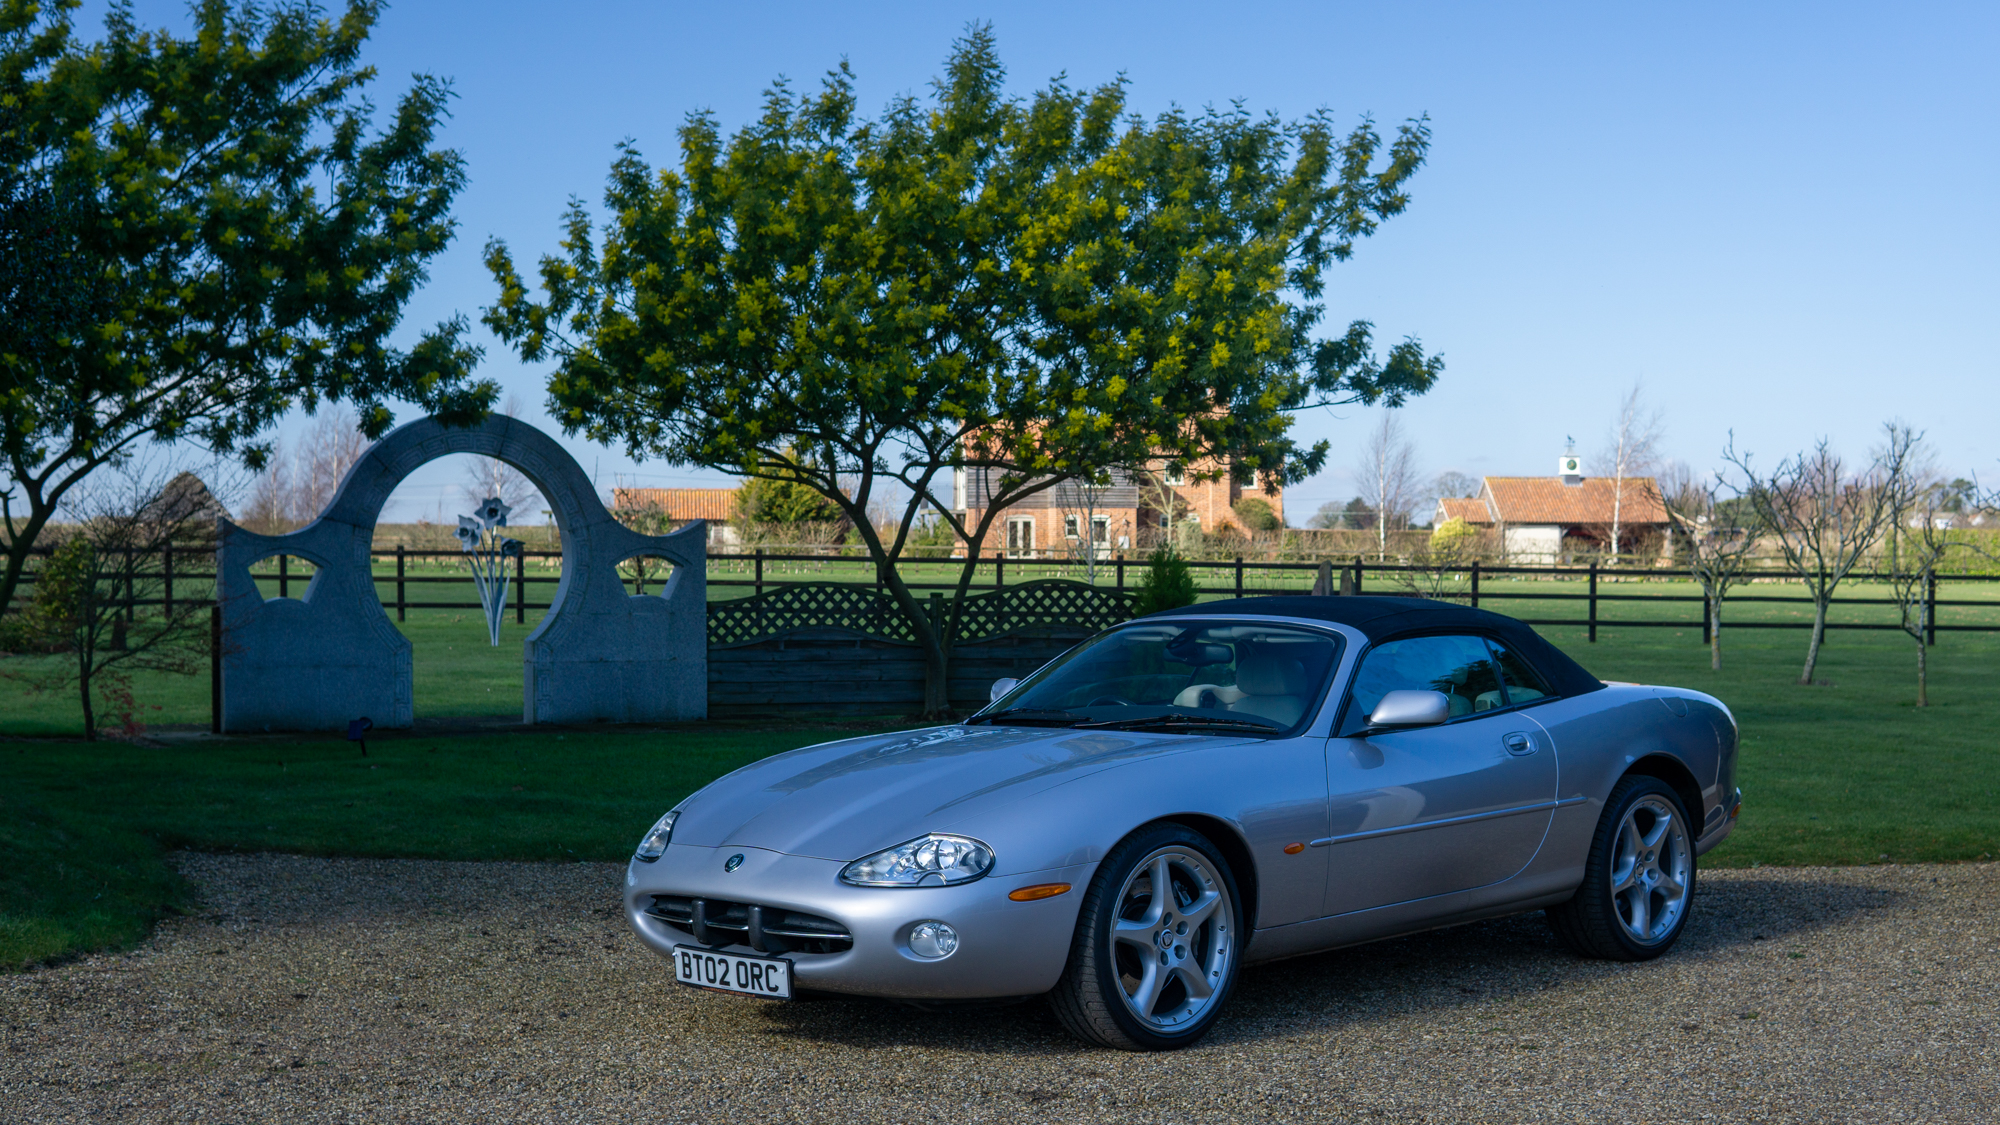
1257, 679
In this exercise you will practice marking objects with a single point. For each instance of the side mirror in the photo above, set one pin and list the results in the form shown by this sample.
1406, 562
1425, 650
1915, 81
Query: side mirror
1002, 686
1411, 708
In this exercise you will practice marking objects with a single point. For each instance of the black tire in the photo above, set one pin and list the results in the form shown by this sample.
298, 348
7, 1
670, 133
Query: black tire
1095, 999
1604, 921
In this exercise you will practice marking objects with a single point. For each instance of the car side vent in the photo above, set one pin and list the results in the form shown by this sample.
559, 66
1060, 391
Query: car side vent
766, 929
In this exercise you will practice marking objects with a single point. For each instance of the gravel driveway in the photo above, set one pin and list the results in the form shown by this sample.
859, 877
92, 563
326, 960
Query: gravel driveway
354, 990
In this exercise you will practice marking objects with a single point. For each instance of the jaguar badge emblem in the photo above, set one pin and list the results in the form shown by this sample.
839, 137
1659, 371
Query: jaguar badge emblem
733, 862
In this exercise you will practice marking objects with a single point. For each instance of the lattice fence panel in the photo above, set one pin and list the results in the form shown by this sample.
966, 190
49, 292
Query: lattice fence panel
807, 605
820, 605
1052, 602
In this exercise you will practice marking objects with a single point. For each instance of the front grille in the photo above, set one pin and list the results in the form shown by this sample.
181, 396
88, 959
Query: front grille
766, 929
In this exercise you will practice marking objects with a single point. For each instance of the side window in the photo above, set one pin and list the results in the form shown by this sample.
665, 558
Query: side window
1523, 684
1460, 667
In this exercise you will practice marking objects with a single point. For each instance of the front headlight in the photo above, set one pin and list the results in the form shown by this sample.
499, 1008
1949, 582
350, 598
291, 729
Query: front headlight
655, 844
934, 860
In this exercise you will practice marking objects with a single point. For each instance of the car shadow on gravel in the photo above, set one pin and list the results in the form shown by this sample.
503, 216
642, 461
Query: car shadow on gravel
1483, 963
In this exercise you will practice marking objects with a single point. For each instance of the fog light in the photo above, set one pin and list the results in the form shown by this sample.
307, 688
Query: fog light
933, 941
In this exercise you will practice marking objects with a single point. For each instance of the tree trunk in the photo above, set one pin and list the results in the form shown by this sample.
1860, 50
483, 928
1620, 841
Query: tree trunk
19, 549
1715, 633
1923, 672
1818, 634
1617, 511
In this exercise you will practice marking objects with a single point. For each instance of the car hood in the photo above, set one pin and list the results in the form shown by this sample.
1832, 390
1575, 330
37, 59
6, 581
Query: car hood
844, 800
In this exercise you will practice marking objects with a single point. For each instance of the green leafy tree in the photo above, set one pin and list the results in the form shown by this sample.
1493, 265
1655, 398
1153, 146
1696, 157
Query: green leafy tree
1031, 289
200, 235
1167, 584
767, 500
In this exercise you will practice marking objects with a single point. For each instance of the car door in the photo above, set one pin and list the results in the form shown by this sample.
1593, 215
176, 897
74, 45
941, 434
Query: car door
1425, 811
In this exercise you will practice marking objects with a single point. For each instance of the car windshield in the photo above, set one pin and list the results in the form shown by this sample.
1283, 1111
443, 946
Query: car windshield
1197, 677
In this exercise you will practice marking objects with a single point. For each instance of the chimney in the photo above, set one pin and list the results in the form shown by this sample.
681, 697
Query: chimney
1570, 466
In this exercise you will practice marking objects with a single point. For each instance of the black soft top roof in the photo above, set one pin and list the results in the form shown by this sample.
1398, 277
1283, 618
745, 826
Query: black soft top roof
1379, 619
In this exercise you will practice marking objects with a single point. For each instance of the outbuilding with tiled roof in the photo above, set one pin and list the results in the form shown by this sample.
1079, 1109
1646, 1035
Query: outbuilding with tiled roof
1536, 515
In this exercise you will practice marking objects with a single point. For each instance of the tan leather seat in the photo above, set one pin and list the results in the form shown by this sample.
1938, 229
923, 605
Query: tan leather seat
1274, 687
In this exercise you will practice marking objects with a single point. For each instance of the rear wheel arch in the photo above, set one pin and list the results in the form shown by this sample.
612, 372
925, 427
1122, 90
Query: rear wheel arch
1674, 773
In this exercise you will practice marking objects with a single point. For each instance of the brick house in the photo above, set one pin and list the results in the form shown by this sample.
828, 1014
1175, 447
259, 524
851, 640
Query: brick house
1126, 514
1536, 516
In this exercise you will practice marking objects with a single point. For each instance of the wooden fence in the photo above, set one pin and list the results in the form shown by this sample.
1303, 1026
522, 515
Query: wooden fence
775, 628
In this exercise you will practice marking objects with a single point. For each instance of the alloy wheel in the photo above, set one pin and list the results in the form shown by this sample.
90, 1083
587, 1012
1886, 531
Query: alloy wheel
1170, 938
1650, 871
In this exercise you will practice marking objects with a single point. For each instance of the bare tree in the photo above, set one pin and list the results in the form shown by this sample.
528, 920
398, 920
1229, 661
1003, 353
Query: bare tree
1080, 502
1387, 473
100, 600
1160, 498
1717, 546
299, 481
1917, 541
1824, 519
487, 477
1631, 452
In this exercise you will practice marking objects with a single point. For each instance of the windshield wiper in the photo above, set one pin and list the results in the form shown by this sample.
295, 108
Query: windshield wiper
1031, 715
1183, 721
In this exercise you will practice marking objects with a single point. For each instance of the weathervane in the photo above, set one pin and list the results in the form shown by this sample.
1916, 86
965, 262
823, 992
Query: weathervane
487, 552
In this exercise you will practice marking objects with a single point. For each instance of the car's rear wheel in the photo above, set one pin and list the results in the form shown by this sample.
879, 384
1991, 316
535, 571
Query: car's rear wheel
1157, 944
1638, 883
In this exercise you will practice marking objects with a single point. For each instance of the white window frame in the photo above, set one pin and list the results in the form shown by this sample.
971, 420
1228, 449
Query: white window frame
1014, 552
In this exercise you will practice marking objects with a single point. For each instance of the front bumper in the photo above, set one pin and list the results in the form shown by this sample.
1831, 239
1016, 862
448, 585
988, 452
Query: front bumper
1723, 828
1006, 948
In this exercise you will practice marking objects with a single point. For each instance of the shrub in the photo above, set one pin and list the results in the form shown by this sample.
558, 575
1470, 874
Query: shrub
1168, 584
1454, 537
1257, 515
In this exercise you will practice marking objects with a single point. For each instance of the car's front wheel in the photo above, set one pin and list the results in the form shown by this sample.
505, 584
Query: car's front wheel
1638, 882
1157, 943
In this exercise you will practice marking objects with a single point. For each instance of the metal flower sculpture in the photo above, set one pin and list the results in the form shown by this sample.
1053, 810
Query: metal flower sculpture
487, 552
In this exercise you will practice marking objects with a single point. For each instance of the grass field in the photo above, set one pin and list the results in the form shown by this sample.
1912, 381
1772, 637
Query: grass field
1845, 772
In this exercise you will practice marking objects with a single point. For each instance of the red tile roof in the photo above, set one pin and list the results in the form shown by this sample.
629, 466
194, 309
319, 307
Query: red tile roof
1547, 500
1470, 509
717, 505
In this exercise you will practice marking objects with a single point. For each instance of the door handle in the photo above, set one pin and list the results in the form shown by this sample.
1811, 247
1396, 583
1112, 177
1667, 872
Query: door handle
1519, 744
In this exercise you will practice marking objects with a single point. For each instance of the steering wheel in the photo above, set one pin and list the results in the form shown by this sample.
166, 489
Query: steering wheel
1110, 701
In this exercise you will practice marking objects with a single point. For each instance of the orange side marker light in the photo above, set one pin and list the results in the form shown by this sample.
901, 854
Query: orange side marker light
1294, 849
1039, 890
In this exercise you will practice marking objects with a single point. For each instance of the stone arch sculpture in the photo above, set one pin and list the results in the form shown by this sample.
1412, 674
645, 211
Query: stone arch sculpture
318, 661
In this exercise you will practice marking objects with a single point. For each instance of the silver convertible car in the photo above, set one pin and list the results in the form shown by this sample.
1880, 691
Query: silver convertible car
1192, 792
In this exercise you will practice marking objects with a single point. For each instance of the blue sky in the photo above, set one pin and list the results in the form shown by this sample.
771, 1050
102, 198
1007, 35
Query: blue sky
1781, 217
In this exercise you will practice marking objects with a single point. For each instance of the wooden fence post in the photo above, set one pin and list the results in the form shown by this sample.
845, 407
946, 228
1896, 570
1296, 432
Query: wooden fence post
215, 666
167, 581
1475, 583
1357, 574
131, 584
284, 574
999, 569
759, 587
1121, 570
1239, 576
1707, 621
520, 589
402, 608
1593, 603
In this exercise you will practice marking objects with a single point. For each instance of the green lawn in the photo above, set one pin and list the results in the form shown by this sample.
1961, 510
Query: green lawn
1846, 772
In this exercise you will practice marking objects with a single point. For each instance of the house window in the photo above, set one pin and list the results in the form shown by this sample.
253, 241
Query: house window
1069, 526
1100, 530
1020, 536
1175, 476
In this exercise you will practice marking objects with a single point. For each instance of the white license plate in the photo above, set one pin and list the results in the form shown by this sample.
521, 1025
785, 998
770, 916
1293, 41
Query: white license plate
752, 976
